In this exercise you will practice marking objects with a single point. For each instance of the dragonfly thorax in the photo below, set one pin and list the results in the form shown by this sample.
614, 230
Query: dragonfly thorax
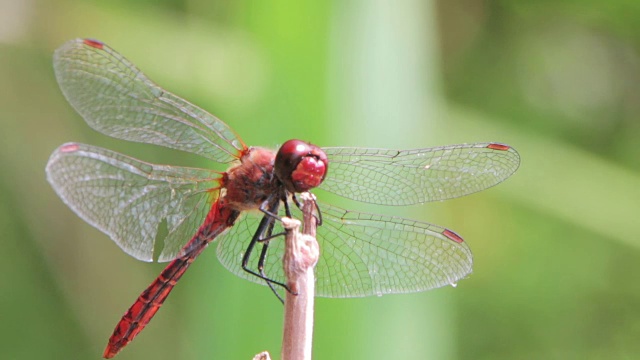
252, 182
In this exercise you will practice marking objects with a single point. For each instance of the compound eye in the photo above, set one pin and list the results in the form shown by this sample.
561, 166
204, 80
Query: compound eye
300, 166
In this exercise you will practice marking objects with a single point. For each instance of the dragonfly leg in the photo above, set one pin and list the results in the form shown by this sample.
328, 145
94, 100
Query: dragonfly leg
266, 239
285, 200
295, 200
270, 211
263, 208
269, 233
265, 227
274, 214
263, 256
260, 274
317, 214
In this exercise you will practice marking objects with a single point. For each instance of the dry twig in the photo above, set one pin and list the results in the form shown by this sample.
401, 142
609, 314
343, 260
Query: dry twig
301, 255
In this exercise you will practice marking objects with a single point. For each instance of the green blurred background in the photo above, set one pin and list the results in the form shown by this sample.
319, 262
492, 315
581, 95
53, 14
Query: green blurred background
556, 246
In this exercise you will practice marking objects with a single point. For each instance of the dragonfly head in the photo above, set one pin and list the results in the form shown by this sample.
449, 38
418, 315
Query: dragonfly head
300, 166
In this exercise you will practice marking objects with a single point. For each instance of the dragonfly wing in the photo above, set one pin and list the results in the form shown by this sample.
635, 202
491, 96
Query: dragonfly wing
362, 254
128, 199
367, 254
233, 244
405, 177
117, 99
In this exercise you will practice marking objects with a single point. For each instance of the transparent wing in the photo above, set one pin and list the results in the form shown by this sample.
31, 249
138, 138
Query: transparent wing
233, 244
117, 99
405, 177
362, 254
128, 199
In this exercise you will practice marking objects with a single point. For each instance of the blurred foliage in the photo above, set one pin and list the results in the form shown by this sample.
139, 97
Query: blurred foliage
556, 246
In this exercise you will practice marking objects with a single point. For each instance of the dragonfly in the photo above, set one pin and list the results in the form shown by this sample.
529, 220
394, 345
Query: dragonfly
129, 200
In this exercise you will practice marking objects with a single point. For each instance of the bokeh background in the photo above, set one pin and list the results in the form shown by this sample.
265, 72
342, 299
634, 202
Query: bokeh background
557, 253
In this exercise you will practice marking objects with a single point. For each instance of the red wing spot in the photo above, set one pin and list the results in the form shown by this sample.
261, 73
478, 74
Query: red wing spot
452, 236
67, 148
93, 43
501, 147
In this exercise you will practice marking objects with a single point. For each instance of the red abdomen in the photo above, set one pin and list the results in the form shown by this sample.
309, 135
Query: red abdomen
137, 317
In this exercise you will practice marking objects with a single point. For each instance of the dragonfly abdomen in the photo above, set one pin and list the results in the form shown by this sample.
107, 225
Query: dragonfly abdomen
220, 218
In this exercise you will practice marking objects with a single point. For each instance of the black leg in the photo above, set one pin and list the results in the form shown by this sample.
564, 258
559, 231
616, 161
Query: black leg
296, 201
271, 211
266, 239
263, 228
262, 258
319, 216
318, 212
287, 210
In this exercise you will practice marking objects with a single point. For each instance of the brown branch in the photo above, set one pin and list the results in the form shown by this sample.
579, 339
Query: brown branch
262, 356
300, 258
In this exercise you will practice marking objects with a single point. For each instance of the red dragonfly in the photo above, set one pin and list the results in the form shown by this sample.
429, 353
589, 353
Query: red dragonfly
128, 199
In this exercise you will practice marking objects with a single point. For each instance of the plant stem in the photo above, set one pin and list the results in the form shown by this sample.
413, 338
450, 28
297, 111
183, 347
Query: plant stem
300, 258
